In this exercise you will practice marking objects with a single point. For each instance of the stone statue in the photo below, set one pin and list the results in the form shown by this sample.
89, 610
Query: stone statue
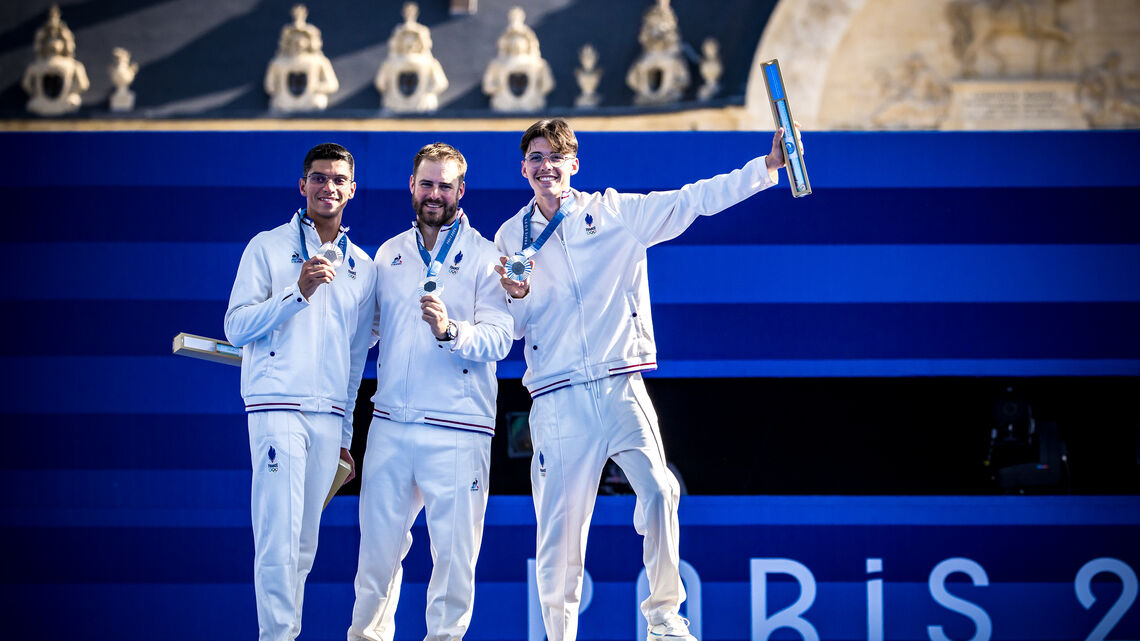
659, 75
915, 98
122, 72
410, 78
588, 77
711, 69
1109, 97
300, 77
518, 79
55, 80
978, 23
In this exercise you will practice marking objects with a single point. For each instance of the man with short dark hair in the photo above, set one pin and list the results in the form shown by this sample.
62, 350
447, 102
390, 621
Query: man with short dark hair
301, 309
574, 267
443, 325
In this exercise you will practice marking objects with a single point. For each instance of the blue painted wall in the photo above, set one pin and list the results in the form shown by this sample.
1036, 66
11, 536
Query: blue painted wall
125, 477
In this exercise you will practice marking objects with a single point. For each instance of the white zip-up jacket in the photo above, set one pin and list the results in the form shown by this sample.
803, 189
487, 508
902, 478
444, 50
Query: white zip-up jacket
587, 315
298, 354
443, 383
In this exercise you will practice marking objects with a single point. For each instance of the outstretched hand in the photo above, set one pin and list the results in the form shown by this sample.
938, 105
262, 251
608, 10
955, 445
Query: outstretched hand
775, 158
513, 287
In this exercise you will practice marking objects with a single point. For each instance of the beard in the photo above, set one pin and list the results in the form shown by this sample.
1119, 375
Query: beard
429, 218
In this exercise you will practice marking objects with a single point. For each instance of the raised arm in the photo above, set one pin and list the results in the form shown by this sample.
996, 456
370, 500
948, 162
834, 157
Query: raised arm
663, 215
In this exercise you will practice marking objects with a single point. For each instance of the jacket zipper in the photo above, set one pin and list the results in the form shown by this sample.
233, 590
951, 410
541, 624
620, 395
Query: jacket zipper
581, 312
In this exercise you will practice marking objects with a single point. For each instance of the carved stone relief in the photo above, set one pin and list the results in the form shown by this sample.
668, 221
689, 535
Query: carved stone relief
518, 79
300, 77
1028, 26
410, 78
952, 64
1109, 97
1014, 66
914, 97
55, 80
660, 74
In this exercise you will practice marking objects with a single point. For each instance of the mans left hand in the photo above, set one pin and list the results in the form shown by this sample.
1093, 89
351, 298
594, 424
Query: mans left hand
347, 456
434, 314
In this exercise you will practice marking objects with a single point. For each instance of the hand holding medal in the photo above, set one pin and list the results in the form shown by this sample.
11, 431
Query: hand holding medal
321, 268
315, 272
517, 269
516, 287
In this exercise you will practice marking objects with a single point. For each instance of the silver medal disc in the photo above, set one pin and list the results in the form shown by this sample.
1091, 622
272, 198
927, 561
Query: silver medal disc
518, 268
430, 286
331, 253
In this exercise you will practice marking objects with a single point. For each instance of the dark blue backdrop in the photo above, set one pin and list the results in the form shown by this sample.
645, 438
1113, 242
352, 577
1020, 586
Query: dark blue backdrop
125, 473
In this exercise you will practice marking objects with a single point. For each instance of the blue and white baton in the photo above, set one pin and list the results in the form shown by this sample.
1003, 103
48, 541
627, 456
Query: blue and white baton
782, 113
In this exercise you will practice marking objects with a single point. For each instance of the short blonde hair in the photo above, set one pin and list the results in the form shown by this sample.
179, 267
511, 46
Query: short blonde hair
439, 152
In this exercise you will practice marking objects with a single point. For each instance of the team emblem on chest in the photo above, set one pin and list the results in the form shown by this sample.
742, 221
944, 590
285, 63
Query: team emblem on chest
296, 258
351, 268
398, 260
454, 269
591, 229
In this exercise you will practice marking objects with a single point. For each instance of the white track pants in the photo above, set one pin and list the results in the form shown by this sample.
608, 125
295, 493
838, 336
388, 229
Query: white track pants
407, 467
574, 430
294, 457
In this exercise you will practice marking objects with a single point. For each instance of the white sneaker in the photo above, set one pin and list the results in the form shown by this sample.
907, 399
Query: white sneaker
675, 628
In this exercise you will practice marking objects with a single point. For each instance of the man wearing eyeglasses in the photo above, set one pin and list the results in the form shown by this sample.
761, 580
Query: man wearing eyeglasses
574, 267
443, 325
301, 309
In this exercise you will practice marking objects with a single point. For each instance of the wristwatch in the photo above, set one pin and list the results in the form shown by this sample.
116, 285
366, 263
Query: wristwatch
450, 333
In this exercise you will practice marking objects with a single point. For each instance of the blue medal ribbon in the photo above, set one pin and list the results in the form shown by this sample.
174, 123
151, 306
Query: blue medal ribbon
301, 229
437, 264
519, 267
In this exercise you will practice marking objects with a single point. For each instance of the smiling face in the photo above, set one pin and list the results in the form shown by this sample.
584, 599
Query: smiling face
545, 179
326, 201
436, 189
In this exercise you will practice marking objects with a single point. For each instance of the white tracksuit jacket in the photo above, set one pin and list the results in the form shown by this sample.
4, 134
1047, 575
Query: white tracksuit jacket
601, 326
298, 354
443, 383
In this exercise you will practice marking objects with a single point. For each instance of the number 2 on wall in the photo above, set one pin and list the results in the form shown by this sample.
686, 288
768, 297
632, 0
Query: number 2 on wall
1083, 586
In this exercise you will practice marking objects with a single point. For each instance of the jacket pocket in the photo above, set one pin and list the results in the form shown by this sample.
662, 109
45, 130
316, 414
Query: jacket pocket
638, 322
271, 354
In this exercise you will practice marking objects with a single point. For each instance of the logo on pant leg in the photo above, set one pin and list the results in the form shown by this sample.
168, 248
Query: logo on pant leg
541, 464
475, 485
272, 465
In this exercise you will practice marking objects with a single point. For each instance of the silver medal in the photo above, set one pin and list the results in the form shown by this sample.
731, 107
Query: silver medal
430, 286
331, 253
518, 268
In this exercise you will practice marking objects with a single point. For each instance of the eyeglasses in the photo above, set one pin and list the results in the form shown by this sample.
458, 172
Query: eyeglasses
556, 160
320, 179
